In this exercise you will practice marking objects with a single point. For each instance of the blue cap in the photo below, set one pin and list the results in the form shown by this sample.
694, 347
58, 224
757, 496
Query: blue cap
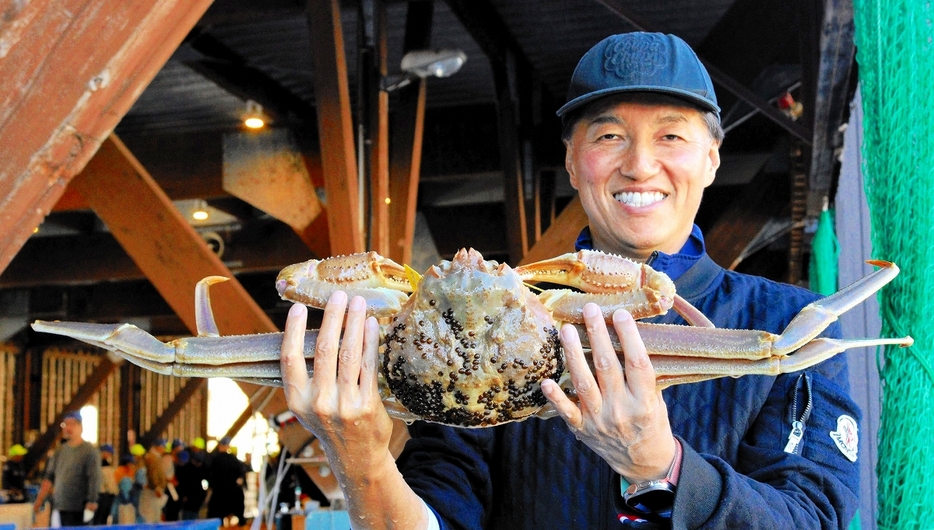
73, 415
224, 441
107, 448
641, 62
178, 443
160, 443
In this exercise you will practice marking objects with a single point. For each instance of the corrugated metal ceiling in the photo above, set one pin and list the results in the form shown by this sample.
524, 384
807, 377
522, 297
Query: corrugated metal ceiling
551, 34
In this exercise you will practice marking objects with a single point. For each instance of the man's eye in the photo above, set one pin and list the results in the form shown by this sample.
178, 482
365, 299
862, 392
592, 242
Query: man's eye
671, 137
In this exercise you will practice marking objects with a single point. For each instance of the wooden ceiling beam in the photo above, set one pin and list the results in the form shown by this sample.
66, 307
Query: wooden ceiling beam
408, 130
258, 246
165, 247
55, 110
376, 117
335, 127
745, 217
561, 235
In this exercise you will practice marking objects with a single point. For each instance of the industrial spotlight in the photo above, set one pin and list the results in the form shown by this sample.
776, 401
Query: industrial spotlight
253, 118
425, 63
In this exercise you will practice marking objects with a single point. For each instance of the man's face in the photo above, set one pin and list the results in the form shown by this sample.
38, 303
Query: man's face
641, 170
71, 429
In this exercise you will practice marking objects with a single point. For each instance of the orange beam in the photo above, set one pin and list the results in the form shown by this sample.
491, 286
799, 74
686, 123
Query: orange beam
379, 155
561, 235
335, 127
404, 171
164, 246
71, 70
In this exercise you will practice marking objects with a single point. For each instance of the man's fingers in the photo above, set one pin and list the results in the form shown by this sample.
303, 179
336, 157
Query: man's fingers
326, 347
350, 348
640, 376
564, 406
370, 367
292, 359
587, 390
608, 370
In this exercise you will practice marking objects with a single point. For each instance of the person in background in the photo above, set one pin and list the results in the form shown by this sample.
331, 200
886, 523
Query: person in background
124, 510
225, 480
153, 497
14, 474
191, 475
108, 485
171, 462
642, 133
198, 446
72, 476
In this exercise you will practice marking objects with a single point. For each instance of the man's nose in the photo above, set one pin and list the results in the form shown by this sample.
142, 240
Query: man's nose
639, 161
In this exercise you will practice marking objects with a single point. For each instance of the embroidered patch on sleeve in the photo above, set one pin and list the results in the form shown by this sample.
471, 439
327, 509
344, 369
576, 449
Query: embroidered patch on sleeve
846, 437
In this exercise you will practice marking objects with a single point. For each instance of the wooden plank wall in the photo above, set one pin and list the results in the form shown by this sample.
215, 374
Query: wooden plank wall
63, 372
8, 354
159, 391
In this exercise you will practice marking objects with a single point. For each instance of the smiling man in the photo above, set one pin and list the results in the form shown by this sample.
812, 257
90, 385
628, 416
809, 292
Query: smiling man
642, 132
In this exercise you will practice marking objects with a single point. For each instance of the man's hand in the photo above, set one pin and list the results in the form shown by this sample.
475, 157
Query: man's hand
340, 403
620, 414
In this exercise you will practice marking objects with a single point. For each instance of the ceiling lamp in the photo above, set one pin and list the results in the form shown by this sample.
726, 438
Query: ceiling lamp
437, 63
253, 118
425, 63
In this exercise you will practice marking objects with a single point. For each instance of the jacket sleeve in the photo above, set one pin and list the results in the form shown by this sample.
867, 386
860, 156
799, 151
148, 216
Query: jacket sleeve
769, 488
448, 468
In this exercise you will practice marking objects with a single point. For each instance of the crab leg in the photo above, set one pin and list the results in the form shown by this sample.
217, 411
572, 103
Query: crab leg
682, 353
250, 358
235, 356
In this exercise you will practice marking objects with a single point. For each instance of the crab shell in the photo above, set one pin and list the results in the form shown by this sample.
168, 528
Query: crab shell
471, 346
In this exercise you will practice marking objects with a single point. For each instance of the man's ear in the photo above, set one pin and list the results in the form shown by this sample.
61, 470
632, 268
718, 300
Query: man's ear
714, 158
568, 165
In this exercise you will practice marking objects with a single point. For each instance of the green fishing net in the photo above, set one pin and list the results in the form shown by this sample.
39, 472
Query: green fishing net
895, 52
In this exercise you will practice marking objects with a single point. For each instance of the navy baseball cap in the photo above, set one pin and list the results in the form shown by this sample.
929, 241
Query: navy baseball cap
73, 415
107, 448
641, 62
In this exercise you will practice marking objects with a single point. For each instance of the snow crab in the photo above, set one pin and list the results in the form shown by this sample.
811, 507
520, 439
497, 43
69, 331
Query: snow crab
468, 343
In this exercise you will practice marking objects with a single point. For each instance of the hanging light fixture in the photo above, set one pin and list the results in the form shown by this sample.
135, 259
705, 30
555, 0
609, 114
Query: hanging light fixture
200, 210
253, 118
425, 63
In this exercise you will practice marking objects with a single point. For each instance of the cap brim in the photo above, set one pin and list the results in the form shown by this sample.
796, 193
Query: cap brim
689, 97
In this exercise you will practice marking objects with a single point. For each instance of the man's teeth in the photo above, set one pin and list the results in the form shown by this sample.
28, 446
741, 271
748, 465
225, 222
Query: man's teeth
646, 198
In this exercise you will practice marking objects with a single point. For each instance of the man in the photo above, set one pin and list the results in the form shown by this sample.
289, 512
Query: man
14, 474
171, 461
72, 476
153, 497
190, 475
109, 487
642, 133
226, 476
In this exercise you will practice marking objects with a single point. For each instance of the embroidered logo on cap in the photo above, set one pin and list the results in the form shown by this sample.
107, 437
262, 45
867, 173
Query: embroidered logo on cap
846, 437
634, 60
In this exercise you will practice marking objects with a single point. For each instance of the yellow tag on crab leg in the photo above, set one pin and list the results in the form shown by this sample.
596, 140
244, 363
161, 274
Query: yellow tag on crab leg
414, 276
